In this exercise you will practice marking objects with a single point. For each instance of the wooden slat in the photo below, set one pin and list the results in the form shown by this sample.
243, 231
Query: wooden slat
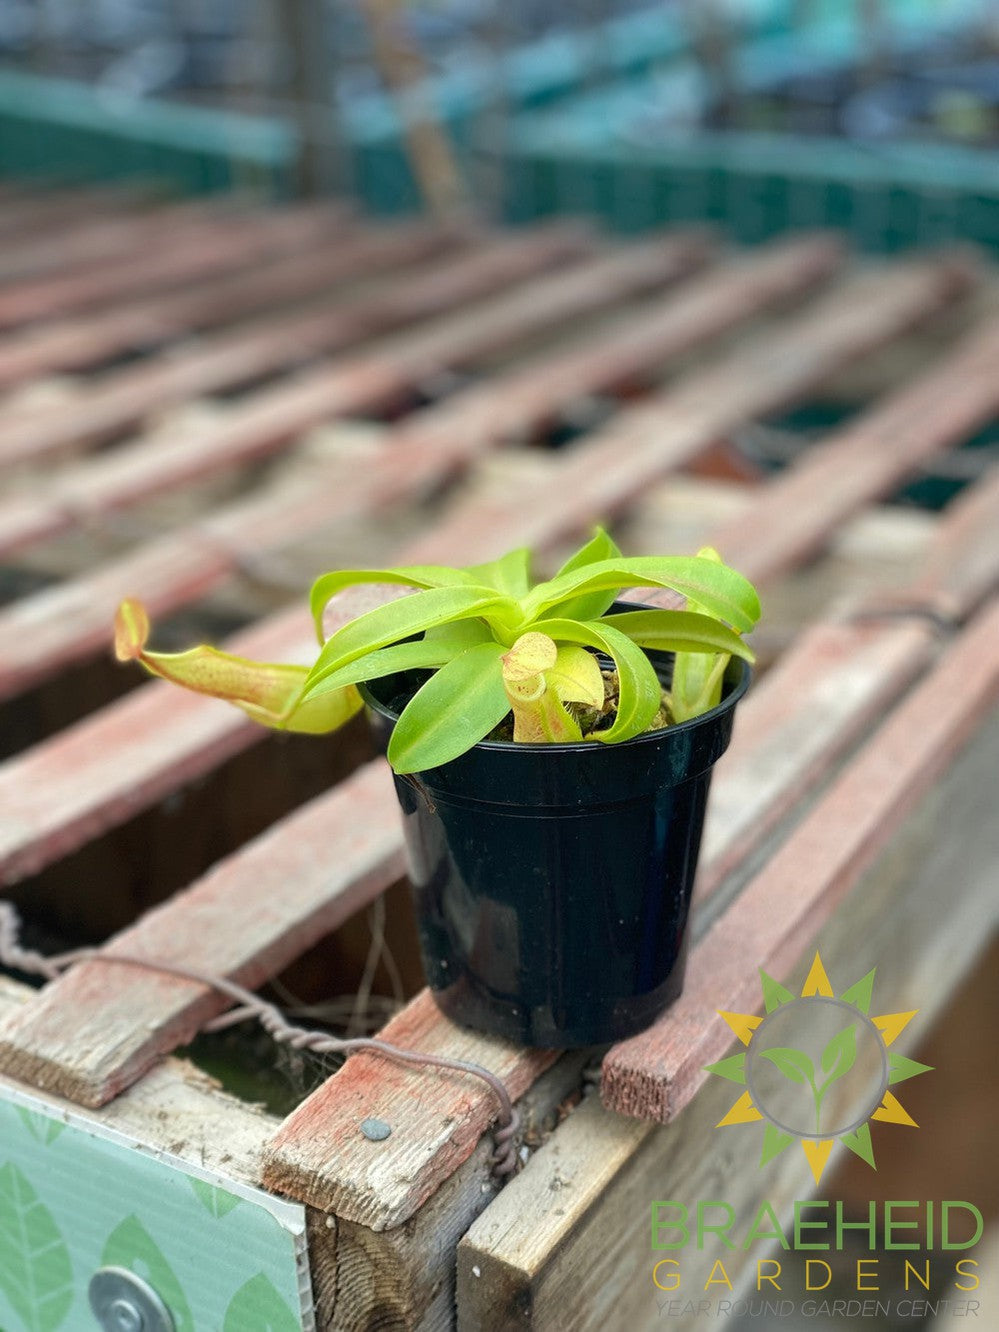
266, 419
90, 1034
95, 775
655, 1074
314, 1156
198, 251
285, 339
118, 233
277, 282
601, 473
799, 510
429, 442
55, 210
837, 681
133, 472
963, 563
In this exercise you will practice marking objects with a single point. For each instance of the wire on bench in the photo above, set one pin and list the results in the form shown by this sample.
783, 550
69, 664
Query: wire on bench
270, 1017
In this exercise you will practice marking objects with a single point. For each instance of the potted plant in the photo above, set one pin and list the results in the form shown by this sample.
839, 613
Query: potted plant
552, 750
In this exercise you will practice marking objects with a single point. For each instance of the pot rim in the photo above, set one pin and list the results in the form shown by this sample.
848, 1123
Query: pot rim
571, 747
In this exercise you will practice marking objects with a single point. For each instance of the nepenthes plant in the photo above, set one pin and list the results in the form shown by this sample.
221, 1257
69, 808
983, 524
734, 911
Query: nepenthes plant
494, 648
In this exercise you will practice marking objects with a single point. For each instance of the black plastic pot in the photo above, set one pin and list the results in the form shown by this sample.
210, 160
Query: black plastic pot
553, 882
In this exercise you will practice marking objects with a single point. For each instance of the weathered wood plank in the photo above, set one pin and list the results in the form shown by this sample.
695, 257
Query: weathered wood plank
963, 563
600, 474
824, 694
797, 512
132, 473
119, 231
318, 1157
274, 284
97, 774
567, 1242
432, 441
653, 1075
57, 210
89, 1034
201, 249
359, 383
175, 1108
404, 1277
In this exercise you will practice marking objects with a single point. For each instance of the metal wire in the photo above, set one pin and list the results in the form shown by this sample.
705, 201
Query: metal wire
270, 1017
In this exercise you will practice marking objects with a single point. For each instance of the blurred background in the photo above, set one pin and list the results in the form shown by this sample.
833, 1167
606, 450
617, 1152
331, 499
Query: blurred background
878, 116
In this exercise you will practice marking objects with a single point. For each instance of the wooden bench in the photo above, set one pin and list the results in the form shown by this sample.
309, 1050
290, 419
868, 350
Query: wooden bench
855, 784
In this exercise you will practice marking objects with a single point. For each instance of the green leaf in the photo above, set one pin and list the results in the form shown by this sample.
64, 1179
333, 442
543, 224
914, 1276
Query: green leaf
721, 591
35, 1270
424, 653
639, 692
794, 1064
454, 710
405, 618
680, 631
418, 575
41, 1127
131, 1246
258, 1307
594, 604
601, 546
510, 574
466, 632
840, 1055
220, 1202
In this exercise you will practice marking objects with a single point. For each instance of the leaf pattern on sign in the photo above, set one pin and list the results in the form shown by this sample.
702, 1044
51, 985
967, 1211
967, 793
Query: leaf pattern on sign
258, 1307
41, 1127
131, 1245
219, 1202
794, 1064
35, 1271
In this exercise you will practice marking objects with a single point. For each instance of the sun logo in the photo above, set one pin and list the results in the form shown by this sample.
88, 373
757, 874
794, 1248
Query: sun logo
805, 1062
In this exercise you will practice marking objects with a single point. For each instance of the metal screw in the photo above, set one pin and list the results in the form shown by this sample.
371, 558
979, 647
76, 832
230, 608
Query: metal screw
124, 1316
376, 1130
123, 1302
